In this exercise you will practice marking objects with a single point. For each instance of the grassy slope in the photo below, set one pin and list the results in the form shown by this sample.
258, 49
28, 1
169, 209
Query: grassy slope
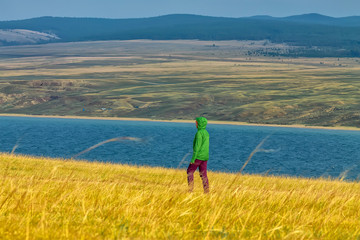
179, 80
57, 199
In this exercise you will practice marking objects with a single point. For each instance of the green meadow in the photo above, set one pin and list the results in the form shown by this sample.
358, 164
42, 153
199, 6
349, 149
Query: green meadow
226, 80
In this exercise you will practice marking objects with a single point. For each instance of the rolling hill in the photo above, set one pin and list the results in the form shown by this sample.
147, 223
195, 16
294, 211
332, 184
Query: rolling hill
23, 36
335, 36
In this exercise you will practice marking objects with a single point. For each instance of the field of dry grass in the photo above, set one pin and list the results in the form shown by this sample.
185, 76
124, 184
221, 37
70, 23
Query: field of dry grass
63, 199
179, 80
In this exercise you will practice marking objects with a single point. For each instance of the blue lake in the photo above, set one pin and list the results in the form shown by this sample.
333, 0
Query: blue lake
287, 151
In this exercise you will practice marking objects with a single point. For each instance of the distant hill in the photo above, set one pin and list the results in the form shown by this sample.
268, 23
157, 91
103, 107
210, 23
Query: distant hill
338, 36
314, 18
325, 20
22, 36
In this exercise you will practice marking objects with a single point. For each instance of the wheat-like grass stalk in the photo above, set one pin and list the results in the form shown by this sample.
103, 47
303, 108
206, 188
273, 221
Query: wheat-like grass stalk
117, 139
17, 144
257, 149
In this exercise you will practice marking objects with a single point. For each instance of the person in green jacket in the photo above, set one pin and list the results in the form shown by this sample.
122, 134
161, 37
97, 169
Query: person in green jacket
200, 155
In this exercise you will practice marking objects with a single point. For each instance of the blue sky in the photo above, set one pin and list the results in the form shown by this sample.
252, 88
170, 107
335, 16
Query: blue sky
22, 9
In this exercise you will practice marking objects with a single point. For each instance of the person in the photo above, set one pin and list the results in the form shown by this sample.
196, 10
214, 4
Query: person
200, 155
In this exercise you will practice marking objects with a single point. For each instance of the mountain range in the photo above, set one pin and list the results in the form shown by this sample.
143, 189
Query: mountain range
314, 18
334, 35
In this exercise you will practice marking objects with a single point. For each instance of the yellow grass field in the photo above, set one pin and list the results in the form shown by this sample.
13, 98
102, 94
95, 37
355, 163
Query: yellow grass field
43, 198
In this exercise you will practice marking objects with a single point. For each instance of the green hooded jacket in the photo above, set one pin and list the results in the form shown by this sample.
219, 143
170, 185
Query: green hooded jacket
201, 141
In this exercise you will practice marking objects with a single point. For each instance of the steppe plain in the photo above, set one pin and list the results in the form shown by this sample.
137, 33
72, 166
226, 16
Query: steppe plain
244, 81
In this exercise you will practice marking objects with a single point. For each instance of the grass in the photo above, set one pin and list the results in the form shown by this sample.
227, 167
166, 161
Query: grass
178, 80
44, 198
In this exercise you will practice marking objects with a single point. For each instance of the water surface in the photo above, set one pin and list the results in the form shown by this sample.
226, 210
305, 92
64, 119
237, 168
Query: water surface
288, 151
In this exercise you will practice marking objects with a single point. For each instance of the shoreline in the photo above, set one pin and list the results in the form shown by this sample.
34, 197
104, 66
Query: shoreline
180, 121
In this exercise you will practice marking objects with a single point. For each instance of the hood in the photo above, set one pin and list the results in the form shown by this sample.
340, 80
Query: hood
202, 122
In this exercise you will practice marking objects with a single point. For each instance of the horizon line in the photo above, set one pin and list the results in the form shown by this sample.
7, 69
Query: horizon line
170, 14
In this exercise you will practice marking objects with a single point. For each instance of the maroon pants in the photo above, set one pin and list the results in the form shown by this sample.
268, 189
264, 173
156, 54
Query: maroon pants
203, 174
